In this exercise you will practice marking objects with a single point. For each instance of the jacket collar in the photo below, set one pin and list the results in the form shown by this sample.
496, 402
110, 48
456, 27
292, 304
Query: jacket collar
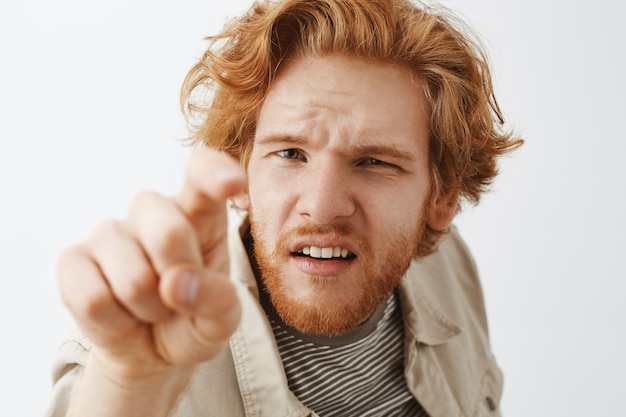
427, 328
425, 320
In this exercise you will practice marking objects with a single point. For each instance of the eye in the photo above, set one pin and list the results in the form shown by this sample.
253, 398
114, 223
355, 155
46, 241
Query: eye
290, 154
373, 161
379, 166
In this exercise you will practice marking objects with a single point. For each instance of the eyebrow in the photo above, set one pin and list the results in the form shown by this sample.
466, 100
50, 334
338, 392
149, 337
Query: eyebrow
385, 150
365, 147
272, 139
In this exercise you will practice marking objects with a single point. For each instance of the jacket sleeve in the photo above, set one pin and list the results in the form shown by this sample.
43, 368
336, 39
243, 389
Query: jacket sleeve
67, 366
213, 391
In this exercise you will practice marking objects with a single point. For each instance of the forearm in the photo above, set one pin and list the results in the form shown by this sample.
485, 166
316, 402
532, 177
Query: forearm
98, 393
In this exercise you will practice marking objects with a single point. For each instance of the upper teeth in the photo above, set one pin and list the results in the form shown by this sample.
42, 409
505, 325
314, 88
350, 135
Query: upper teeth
325, 253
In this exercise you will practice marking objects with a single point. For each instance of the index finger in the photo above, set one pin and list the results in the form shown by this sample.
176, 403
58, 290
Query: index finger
211, 178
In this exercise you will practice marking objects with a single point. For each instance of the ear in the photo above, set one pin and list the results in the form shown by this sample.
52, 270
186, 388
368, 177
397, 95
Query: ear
442, 210
242, 199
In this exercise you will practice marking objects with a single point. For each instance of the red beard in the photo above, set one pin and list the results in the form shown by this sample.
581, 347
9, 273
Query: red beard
381, 277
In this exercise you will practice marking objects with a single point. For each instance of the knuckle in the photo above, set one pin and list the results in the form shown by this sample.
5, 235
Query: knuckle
96, 306
104, 230
159, 225
146, 198
68, 257
91, 307
176, 235
68, 261
65, 276
137, 285
84, 301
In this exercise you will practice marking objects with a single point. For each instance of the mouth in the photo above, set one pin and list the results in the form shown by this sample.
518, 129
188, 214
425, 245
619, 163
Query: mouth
325, 253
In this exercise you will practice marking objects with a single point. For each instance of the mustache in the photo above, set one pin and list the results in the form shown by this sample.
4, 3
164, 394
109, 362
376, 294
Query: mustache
339, 230
335, 230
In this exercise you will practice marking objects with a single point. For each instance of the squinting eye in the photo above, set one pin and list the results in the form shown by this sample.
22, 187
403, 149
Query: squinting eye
373, 161
289, 154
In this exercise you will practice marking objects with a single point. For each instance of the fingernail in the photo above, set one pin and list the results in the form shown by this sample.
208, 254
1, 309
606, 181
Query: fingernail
188, 288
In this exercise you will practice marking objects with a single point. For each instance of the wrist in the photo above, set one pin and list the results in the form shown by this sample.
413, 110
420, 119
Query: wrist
116, 390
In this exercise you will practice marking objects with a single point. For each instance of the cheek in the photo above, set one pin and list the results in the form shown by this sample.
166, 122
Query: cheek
271, 197
266, 211
264, 202
395, 219
394, 211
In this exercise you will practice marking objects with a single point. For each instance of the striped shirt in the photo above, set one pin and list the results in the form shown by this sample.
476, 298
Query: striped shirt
360, 373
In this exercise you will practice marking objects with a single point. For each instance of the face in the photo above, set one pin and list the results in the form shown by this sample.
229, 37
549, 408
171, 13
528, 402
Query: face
338, 188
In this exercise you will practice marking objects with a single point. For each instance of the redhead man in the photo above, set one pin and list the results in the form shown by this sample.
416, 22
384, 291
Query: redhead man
347, 132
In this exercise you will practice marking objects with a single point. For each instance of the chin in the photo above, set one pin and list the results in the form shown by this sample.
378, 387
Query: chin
322, 311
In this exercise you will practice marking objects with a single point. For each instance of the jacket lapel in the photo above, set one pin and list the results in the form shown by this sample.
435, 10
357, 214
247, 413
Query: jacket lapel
262, 381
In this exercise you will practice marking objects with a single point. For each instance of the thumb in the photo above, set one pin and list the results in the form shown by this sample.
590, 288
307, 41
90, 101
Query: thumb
207, 314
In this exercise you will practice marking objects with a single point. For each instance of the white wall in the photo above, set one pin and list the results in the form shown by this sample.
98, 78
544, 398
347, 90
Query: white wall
89, 116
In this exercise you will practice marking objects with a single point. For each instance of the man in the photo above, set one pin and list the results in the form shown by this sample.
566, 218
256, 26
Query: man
349, 131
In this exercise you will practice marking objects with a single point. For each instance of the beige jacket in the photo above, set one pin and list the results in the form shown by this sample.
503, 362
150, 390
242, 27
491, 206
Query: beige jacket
449, 365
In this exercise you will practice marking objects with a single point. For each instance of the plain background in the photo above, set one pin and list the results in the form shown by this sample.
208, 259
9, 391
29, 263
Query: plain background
89, 116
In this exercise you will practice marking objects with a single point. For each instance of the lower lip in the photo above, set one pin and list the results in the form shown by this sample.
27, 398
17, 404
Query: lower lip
320, 267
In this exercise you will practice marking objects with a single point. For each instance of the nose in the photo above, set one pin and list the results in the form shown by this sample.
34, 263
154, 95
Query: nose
326, 194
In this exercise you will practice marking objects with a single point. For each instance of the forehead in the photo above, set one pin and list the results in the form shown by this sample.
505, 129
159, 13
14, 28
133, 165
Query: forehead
345, 92
367, 99
386, 84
